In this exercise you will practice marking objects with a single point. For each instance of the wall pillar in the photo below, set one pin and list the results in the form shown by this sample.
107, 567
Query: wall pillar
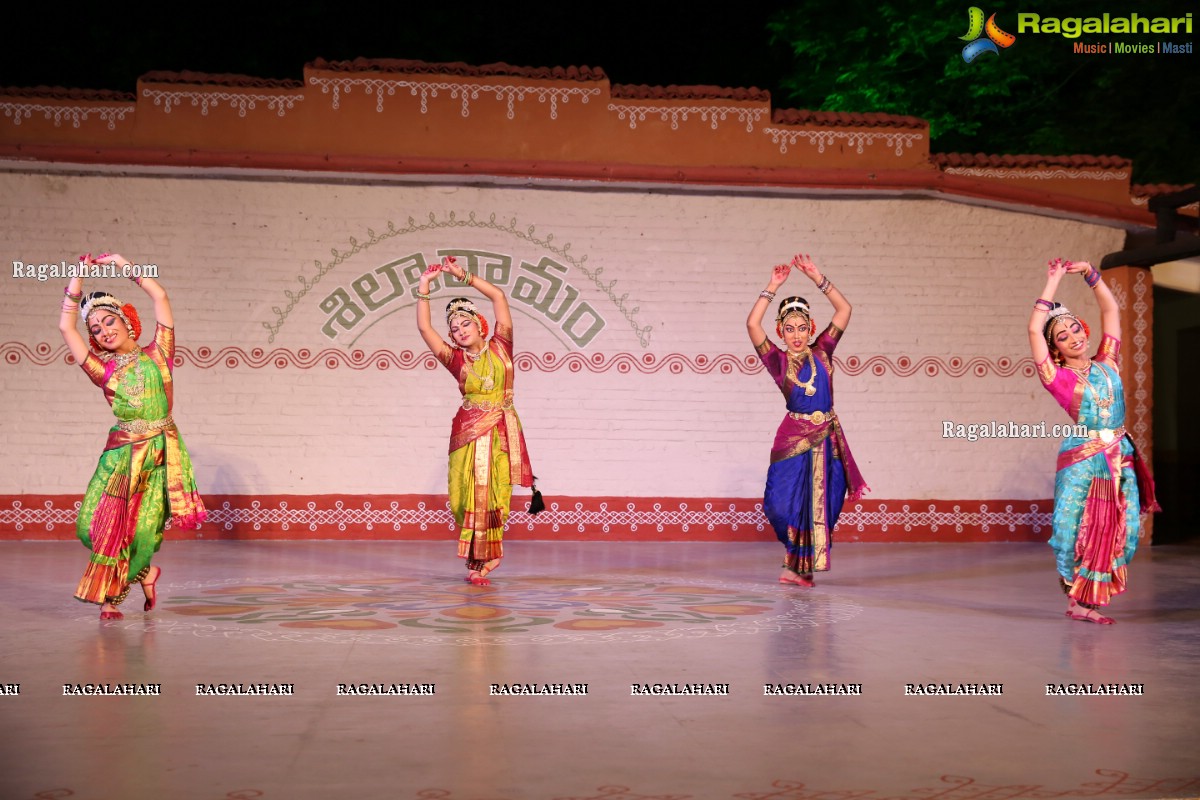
1134, 289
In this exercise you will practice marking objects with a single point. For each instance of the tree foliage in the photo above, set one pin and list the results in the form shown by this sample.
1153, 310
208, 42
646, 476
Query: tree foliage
1037, 96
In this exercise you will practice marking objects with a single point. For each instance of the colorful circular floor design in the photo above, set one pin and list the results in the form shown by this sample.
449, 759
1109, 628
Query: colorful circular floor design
519, 610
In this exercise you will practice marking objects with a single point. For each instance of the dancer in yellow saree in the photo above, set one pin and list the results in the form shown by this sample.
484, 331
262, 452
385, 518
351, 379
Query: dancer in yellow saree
487, 446
144, 477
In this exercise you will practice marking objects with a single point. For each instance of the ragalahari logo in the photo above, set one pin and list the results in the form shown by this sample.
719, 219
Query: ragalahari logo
977, 45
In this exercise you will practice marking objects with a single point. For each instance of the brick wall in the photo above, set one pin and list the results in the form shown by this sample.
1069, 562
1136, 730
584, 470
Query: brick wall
654, 400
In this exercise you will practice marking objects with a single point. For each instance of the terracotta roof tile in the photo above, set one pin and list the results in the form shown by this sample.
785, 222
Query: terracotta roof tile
628, 91
944, 160
61, 93
1155, 189
460, 69
798, 116
209, 79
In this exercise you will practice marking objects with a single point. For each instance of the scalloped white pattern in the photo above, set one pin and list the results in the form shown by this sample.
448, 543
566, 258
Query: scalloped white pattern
16, 111
240, 101
857, 139
466, 92
674, 114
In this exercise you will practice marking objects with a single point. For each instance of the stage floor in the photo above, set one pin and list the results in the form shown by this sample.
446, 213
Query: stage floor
706, 622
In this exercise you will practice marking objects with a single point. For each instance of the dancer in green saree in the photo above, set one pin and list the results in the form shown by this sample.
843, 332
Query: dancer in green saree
144, 479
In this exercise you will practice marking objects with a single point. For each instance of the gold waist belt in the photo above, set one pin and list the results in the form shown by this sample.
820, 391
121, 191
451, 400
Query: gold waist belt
488, 405
145, 425
816, 417
1107, 435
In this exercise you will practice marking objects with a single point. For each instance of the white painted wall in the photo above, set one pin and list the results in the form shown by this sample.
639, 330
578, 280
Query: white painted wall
928, 279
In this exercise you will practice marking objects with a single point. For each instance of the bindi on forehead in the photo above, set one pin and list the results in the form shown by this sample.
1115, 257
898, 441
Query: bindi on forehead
1065, 327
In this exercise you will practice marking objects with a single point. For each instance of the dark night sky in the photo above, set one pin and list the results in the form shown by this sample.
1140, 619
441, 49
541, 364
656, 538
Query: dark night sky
648, 42
657, 42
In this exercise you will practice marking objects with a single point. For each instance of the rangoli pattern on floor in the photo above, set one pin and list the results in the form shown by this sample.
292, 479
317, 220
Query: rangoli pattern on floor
513, 610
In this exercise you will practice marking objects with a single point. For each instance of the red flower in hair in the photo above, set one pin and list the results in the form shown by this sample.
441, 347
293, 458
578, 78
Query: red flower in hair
134, 321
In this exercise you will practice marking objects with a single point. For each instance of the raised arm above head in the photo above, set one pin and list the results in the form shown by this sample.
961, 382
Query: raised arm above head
779, 274
841, 306
153, 289
1110, 312
424, 322
1038, 347
489, 290
68, 318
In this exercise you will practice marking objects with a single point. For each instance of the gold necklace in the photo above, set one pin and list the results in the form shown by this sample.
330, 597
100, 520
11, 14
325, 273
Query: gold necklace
133, 381
1103, 404
487, 383
123, 359
794, 361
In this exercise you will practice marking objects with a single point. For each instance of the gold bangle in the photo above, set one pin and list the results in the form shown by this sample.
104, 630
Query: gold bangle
469, 278
420, 296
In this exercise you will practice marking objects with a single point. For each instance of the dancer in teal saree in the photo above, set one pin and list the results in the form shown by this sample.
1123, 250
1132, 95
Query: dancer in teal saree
1102, 483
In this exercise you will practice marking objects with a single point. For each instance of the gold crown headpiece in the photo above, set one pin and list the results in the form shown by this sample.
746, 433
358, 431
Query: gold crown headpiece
793, 305
461, 306
97, 300
1055, 315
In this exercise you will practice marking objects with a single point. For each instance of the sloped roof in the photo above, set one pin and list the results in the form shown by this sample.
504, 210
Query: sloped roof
460, 69
62, 93
219, 79
629, 91
1028, 161
839, 119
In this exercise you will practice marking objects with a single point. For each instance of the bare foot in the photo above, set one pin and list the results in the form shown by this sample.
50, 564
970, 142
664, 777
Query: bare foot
1076, 611
796, 579
489, 567
109, 611
475, 578
148, 588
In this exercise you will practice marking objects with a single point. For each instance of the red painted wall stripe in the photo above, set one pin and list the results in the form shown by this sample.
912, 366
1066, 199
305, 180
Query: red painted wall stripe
626, 519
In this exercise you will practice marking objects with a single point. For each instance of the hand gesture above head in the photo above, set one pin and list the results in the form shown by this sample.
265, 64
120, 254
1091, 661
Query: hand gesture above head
780, 273
450, 265
1057, 267
108, 258
805, 264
